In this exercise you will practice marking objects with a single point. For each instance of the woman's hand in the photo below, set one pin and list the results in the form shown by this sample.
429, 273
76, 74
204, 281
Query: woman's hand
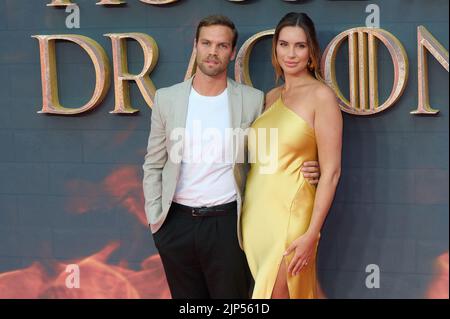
304, 248
311, 171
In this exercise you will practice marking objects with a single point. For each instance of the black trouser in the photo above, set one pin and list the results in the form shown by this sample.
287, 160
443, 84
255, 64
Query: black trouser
201, 256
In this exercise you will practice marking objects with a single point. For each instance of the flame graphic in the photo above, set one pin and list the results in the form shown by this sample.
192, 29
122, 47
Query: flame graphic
122, 187
98, 280
439, 286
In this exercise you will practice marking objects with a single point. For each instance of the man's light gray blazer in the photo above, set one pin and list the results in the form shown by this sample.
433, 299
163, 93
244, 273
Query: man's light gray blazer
170, 112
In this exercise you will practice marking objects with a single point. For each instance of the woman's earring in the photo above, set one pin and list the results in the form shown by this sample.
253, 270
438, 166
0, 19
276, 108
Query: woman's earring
310, 67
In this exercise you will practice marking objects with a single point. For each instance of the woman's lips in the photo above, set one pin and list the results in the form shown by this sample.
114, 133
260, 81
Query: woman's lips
291, 64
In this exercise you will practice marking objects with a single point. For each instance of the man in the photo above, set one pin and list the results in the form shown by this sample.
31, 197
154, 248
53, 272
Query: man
193, 206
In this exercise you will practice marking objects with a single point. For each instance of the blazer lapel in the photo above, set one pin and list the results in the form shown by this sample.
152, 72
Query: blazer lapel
181, 109
235, 107
234, 103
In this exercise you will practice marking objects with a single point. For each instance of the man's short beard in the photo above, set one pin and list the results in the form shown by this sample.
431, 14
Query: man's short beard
210, 72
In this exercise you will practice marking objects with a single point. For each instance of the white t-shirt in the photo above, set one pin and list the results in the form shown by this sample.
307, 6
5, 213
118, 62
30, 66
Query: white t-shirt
206, 176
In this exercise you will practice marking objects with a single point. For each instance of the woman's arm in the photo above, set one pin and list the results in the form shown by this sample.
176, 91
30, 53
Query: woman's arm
328, 131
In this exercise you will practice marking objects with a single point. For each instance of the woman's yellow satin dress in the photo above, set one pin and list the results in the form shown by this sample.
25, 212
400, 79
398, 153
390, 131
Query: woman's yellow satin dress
278, 202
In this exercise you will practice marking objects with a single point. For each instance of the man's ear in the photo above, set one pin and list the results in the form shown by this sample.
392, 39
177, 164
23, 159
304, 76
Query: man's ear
233, 55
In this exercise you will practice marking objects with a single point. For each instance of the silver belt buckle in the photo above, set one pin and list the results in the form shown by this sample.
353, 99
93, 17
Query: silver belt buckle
196, 212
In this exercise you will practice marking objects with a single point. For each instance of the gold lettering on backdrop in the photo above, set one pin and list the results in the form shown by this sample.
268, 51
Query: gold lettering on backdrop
363, 69
60, 3
63, 3
192, 67
121, 75
56, 3
241, 67
426, 42
363, 66
110, 2
158, 1
50, 97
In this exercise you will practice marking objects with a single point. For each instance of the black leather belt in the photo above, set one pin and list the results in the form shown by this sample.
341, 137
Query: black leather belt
219, 210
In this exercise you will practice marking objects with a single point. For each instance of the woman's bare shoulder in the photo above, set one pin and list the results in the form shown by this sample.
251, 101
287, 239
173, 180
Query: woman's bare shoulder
324, 95
326, 108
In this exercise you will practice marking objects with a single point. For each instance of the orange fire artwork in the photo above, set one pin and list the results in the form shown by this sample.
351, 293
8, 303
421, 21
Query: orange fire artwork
439, 286
98, 279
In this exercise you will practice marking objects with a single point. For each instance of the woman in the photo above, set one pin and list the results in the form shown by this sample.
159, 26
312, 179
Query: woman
283, 213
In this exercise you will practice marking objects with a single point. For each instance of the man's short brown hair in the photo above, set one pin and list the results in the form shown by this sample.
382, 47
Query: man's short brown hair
218, 19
